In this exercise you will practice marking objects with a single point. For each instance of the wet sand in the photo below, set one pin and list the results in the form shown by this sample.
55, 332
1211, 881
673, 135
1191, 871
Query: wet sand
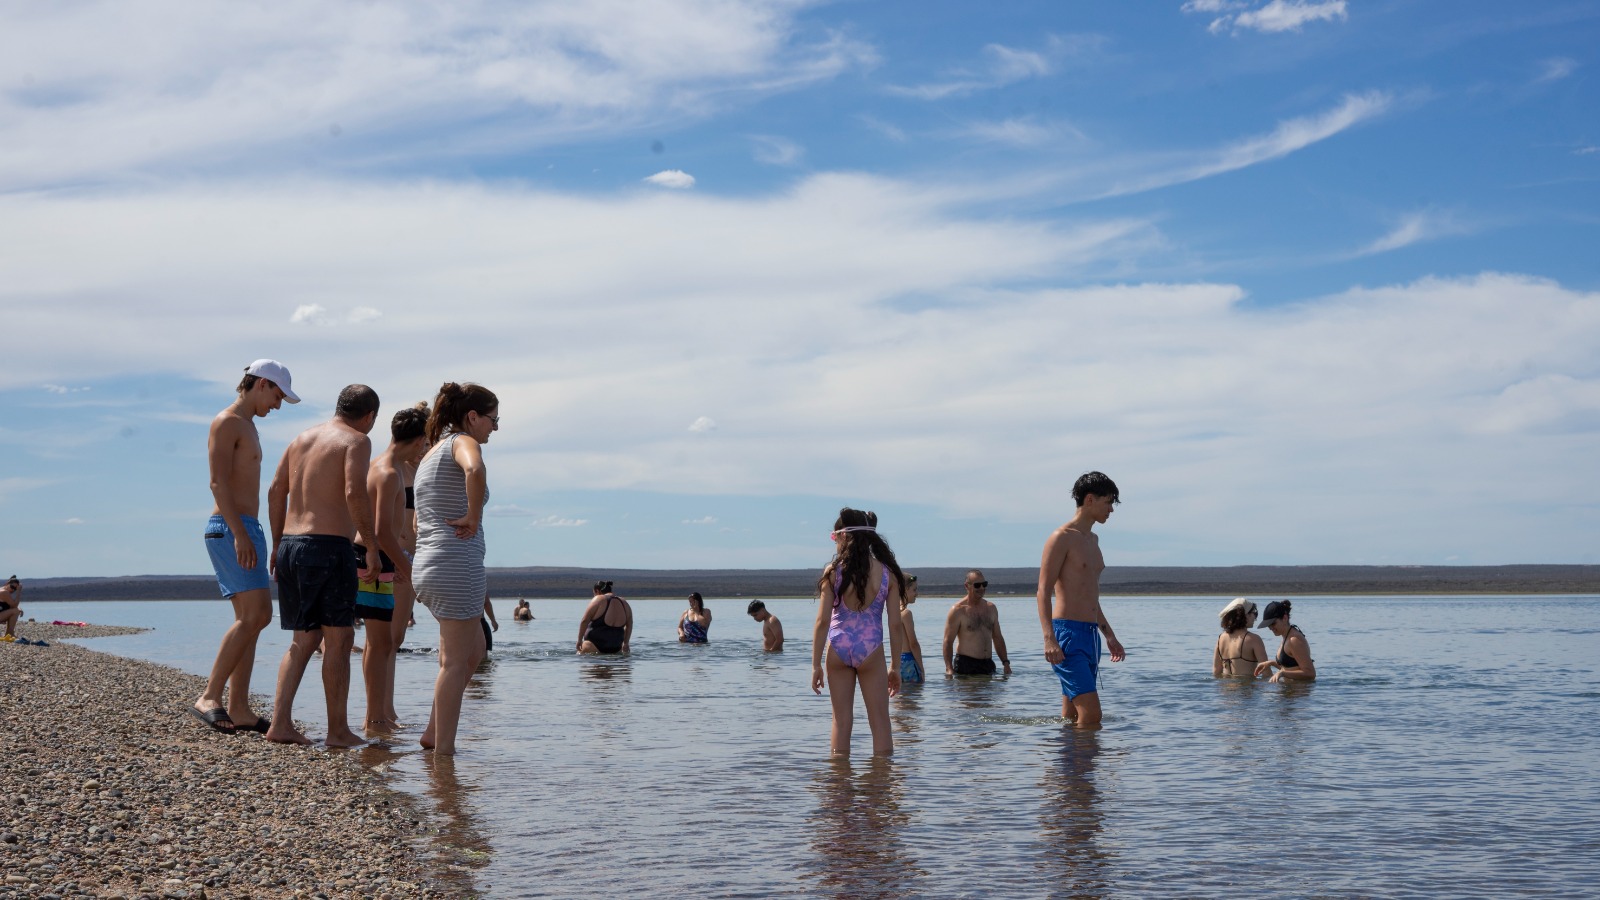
109, 788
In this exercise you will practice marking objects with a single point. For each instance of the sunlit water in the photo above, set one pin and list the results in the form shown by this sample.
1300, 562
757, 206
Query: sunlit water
1449, 748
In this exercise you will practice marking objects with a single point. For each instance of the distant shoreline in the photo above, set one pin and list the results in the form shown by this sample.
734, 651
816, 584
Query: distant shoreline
1118, 581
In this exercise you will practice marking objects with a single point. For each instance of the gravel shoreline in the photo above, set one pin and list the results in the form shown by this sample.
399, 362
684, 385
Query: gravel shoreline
108, 788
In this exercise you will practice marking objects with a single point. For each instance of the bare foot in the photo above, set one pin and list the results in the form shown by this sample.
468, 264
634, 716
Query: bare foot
381, 726
345, 738
286, 736
426, 740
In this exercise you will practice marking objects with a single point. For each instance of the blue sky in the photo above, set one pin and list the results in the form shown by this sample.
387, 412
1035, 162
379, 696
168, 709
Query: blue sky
1315, 282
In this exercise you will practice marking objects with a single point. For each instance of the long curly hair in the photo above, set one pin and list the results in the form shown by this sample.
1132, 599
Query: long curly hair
854, 555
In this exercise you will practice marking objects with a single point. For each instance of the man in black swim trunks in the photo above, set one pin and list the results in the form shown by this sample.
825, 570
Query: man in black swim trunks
317, 504
974, 624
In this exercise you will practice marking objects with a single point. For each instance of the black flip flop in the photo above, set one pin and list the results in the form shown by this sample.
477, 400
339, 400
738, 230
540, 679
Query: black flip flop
215, 718
260, 726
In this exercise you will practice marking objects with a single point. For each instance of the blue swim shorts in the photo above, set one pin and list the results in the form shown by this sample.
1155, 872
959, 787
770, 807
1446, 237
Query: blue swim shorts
225, 559
909, 672
1080, 670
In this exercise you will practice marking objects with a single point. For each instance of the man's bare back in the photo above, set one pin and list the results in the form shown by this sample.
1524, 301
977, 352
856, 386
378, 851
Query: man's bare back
324, 473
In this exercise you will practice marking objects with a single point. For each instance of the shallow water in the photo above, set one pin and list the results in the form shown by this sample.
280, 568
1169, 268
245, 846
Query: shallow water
1449, 748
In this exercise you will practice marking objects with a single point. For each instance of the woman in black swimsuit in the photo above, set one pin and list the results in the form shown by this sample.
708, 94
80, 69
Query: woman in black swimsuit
1294, 655
607, 624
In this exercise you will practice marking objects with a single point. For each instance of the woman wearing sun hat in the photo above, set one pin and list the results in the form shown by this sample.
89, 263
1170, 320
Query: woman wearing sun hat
1293, 661
1238, 651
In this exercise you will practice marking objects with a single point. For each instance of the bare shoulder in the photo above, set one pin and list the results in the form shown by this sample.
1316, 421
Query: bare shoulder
230, 427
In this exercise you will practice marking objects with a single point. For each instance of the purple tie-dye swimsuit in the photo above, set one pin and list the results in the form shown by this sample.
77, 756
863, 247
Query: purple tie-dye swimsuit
854, 634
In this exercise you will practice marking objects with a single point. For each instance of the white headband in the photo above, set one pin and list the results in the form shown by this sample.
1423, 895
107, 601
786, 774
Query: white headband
856, 528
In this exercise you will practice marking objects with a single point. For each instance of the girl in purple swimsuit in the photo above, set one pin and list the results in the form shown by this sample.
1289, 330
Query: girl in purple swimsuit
852, 593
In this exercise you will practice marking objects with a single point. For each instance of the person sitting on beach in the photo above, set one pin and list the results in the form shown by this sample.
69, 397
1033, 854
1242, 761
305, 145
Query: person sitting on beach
974, 625
607, 624
375, 601
11, 606
1293, 661
1238, 650
852, 594
911, 670
695, 621
317, 505
523, 613
771, 628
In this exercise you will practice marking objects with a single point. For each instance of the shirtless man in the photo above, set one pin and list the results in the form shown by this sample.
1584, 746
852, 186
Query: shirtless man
318, 503
771, 628
236, 544
1071, 570
375, 601
974, 623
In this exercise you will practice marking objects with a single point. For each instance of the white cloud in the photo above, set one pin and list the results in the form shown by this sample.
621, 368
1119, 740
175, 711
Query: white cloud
1420, 226
100, 89
1555, 69
507, 510
892, 132
776, 151
318, 315
1585, 151
703, 425
63, 389
554, 521
672, 178
1025, 131
703, 520
1275, 17
1001, 65
16, 485
73, 521
608, 325
1289, 136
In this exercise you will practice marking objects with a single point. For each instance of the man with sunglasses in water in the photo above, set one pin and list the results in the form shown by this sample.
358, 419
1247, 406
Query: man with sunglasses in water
974, 626
1074, 623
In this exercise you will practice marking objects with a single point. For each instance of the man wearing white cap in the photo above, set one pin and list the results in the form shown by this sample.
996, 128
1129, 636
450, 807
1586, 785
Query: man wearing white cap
236, 544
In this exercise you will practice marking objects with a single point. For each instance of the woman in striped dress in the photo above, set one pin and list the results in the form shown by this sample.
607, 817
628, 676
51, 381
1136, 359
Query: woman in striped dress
448, 573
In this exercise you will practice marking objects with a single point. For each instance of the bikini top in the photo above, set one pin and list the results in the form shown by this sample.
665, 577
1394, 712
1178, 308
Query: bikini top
1284, 659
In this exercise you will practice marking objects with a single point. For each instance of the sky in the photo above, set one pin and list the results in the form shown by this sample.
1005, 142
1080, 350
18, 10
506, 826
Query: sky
1315, 281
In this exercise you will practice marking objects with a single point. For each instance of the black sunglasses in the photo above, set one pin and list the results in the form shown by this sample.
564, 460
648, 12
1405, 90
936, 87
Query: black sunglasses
977, 584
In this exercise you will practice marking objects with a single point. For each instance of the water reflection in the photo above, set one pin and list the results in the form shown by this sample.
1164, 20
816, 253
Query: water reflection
857, 847
1073, 860
459, 845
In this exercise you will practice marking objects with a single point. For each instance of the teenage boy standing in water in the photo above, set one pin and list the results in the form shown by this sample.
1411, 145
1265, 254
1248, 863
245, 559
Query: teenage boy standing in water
1073, 625
237, 545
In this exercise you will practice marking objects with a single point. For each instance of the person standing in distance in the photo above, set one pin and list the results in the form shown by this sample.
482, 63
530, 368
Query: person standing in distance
237, 545
452, 488
1074, 623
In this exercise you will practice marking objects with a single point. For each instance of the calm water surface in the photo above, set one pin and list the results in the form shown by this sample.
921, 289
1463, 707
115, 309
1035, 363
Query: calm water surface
1450, 748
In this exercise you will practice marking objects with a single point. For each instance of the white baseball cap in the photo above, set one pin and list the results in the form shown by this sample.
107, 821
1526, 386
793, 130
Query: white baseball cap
275, 372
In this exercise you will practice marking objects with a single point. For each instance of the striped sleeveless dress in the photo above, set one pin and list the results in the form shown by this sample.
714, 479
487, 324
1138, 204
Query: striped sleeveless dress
447, 572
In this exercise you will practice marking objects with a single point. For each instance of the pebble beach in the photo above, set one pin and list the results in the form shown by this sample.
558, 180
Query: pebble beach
109, 788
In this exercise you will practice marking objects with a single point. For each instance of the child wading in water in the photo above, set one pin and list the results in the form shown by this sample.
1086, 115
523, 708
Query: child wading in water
853, 592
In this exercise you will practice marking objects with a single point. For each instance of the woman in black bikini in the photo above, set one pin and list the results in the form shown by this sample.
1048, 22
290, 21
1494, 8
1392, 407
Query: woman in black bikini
1294, 655
1238, 651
